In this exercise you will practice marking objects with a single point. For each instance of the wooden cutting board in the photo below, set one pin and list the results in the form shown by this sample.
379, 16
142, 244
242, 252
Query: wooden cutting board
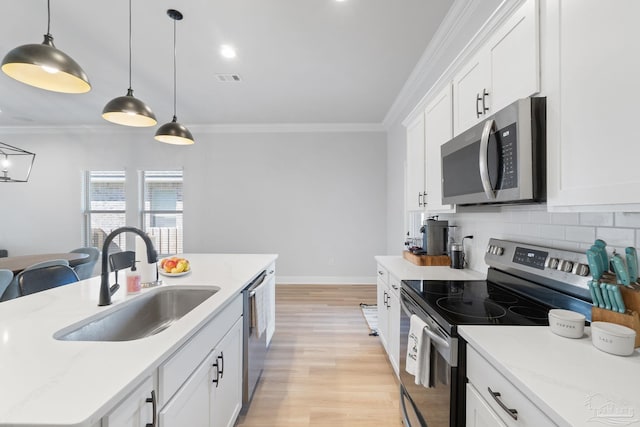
427, 260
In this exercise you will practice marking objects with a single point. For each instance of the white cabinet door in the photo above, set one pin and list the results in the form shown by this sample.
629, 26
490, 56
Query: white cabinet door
227, 391
415, 185
136, 410
514, 58
479, 414
470, 90
190, 406
505, 69
592, 104
438, 125
383, 295
393, 330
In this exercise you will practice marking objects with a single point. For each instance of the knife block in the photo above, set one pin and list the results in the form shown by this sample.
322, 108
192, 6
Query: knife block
630, 318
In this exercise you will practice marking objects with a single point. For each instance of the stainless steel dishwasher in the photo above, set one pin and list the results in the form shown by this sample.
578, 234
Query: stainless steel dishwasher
254, 346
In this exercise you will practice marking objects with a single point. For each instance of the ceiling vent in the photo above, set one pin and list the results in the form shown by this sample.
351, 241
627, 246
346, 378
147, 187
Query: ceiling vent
228, 78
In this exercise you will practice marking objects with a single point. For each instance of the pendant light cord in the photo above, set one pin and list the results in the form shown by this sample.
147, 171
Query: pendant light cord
174, 71
49, 17
129, 44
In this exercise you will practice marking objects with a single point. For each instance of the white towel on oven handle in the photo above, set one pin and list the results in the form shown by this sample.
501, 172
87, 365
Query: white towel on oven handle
418, 351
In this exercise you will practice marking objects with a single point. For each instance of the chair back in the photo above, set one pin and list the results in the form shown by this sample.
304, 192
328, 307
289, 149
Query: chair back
6, 276
13, 290
86, 269
40, 279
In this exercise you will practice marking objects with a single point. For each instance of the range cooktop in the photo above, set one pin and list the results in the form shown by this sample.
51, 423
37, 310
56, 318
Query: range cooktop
523, 283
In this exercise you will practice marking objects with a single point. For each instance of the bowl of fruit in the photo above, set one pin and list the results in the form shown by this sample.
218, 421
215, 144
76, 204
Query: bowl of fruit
174, 266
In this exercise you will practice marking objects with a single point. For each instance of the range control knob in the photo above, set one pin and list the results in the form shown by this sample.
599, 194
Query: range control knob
581, 269
565, 265
551, 263
499, 250
489, 249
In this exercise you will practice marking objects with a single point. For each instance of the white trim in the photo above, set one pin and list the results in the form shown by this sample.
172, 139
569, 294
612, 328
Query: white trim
201, 129
325, 280
461, 12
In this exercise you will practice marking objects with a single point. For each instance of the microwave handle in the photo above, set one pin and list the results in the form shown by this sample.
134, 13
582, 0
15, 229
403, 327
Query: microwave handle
482, 159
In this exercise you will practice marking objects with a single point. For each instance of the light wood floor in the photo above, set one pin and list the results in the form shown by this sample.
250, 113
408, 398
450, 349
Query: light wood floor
323, 368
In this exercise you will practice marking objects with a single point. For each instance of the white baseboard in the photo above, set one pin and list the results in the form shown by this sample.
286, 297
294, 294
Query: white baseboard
325, 280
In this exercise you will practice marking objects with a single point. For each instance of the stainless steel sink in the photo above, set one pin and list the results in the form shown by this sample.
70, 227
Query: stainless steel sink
143, 316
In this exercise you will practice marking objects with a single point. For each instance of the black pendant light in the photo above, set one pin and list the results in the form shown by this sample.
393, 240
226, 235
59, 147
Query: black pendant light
173, 132
128, 110
46, 67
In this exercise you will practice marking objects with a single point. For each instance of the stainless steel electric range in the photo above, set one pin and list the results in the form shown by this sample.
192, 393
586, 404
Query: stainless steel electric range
523, 283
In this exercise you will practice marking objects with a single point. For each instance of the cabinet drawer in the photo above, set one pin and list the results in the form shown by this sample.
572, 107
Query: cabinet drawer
482, 375
383, 274
177, 369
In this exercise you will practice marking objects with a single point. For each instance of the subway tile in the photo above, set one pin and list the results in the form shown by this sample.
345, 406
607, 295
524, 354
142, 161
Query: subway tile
565, 218
532, 230
619, 237
555, 232
625, 219
597, 219
540, 217
580, 234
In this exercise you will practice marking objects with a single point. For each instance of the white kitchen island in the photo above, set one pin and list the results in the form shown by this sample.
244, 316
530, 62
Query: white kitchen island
45, 381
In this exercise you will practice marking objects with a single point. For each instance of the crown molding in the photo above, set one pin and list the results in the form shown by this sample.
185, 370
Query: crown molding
200, 129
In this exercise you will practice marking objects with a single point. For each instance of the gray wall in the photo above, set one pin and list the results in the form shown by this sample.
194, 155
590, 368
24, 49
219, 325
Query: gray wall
317, 199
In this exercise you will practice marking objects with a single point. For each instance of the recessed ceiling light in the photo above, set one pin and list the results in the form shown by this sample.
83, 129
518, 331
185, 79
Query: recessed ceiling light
227, 51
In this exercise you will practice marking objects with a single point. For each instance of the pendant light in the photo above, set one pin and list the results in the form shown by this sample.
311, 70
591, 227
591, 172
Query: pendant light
46, 67
173, 132
15, 163
128, 110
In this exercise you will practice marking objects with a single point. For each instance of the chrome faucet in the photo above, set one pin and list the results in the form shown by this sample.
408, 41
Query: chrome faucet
152, 256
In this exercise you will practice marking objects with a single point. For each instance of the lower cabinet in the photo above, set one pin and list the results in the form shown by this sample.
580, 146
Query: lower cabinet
212, 396
137, 409
388, 288
492, 400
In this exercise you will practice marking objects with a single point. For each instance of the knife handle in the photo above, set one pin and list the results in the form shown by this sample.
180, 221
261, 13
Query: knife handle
593, 258
620, 269
594, 297
605, 296
598, 295
615, 290
632, 263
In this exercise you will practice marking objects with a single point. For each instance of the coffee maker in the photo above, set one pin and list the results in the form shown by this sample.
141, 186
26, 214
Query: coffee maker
434, 236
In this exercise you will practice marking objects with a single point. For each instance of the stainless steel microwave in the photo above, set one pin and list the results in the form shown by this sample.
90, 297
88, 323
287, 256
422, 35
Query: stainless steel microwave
501, 160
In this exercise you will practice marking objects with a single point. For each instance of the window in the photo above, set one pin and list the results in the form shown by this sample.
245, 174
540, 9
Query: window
105, 208
162, 209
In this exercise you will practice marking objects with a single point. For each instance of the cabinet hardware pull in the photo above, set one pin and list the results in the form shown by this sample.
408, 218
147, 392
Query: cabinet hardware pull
381, 273
154, 404
484, 97
424, 198
512, 412
271, 271
478, 112
419, 199
221, 357
217, 378
384, 298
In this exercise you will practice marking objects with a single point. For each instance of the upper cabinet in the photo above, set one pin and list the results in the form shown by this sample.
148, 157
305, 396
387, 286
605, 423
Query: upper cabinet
505, 68
415, 179
438, 125
592, 67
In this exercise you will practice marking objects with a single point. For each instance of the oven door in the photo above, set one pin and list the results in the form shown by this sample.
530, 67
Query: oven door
422, 406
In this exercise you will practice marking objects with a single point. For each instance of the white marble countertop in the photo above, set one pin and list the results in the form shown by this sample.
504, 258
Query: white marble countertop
44, 381
570, 380
405, 270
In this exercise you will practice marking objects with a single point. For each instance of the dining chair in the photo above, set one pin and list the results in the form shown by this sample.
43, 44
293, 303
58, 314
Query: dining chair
121, 260
41, 279
6, 276
86, 269
13, 290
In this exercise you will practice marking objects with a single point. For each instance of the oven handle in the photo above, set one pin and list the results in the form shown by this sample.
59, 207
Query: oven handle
438, 339
483, 163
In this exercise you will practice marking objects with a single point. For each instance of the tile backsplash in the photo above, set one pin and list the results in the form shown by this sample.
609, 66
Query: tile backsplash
534, 225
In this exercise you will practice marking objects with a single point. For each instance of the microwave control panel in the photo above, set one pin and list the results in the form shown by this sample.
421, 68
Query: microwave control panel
506, 139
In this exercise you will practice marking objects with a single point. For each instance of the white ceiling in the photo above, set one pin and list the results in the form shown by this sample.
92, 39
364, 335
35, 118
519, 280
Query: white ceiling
301, 61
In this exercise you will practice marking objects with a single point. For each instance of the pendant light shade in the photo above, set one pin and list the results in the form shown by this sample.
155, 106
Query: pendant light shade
127, 110
173, 132
46, 67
